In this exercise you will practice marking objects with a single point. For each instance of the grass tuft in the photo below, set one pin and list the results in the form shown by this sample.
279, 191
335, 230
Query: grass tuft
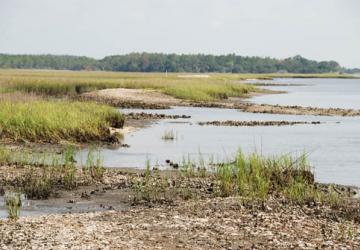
169, 135
13, 204
256, 177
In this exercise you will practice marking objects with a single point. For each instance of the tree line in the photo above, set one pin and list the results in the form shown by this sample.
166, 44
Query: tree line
158, 62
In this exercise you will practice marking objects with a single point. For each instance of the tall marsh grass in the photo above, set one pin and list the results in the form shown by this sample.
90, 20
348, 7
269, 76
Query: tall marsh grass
256, 177
55, 121
62, 83
13, 204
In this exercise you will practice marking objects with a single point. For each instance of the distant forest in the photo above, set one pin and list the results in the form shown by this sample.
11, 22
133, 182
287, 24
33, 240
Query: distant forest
155, 62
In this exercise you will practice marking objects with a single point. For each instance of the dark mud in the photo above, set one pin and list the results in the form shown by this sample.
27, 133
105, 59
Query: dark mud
148, 116
182, 213
295, 110
126, 104
255, 123
260, 84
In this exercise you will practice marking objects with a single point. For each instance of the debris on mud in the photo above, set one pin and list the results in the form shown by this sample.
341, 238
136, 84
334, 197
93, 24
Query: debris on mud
255, 123
150, 116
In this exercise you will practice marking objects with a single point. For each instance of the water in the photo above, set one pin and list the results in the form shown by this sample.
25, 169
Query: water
26, 208
323, 93
333, 147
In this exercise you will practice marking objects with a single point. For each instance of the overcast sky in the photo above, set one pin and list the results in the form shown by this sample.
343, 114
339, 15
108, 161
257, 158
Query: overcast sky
316, 29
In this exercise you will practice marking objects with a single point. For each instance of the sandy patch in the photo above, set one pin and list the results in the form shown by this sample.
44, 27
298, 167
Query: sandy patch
133, 96
193, 76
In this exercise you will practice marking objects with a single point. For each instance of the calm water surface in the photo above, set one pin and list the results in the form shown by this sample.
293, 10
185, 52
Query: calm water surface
323, 93
333, 147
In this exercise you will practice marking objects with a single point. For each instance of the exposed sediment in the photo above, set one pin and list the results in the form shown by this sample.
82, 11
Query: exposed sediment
149, 116
263, 84
132, 98
255, 123
151, 99
295, 110
220, 223
121, 103
206, 222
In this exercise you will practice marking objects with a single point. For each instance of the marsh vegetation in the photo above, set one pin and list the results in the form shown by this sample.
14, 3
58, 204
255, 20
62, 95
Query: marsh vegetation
39, 174
43, 112
63, 83
169, 135
54, 121
13, 204
251, 177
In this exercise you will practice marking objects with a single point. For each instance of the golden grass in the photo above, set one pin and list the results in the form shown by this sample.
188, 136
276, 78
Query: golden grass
55, 121
60, 83
184, 86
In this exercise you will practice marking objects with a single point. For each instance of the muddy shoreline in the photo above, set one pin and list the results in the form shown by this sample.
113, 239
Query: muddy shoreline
195, 219
231, 123
146, 100
183, 212
114, 190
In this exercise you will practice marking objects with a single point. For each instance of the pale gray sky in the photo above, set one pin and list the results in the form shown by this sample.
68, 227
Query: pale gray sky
316, 29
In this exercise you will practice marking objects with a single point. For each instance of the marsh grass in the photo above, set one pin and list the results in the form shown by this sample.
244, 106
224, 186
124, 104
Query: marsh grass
5, 155
47, 171
191, 168
169, 135
147, 171
13, 205
56, 121
38, 185
153, 189
256, 177
252, 177
62, 83
66, 83
94, 164
188, 167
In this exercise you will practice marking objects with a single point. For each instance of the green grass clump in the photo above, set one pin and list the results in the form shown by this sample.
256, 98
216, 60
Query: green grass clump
69, 169
5, 155
94, 165
55, 121
13, 204
38, 185
169, 135
256, 177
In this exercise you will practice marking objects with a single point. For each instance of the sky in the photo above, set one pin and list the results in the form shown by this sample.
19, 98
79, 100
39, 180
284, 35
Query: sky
315, 29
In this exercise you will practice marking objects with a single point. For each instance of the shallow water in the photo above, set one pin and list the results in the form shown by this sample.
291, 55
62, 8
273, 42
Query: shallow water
62, 205
323, 93
27, 208
333, 147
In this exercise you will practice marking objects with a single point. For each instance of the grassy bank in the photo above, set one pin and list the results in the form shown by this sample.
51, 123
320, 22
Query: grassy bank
63, 83
184, 86
56, 121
